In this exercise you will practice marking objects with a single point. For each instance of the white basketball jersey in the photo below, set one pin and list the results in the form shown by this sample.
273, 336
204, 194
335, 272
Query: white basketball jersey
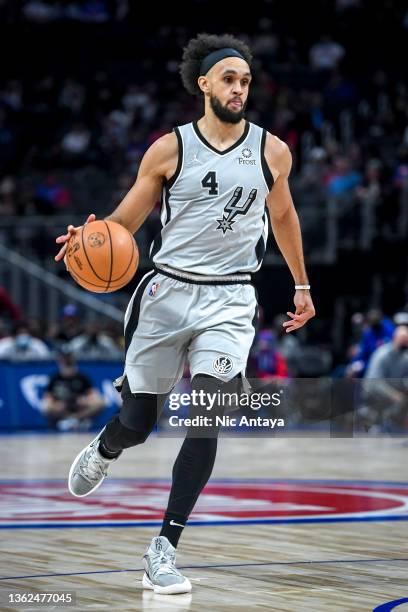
213, 209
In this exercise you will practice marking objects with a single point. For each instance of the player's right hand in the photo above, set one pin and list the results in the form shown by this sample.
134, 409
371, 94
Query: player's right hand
65, 238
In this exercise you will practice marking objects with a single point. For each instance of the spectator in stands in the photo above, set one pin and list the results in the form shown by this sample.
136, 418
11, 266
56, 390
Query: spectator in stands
12, 95
8, 196
385, 387
315, 168
70, 400
92, 11
51, 196
96, 11
269, 364
8, 309
287, 345
22, 345
8, 141
379, 330
75, 144
135, 99
309, 184
94, 344
400, 178
371, 188
401, 317
72, 96
68, 327
342, 178
326, 54
39, 11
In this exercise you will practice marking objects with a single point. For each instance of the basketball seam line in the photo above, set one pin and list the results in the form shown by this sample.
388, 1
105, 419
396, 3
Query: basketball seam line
117, 278
112, 283
89, 263
75, 274
111, 255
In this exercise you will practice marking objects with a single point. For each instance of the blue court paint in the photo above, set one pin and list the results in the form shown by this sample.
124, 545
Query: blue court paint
346, 519
390, 605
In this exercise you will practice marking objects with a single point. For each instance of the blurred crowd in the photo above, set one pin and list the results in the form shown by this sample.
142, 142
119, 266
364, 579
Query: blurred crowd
78, 137
376, 360
72, 136
26, 338
51, 11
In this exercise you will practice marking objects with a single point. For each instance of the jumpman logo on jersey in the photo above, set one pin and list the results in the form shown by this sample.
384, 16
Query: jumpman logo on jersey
232, 209
195, 159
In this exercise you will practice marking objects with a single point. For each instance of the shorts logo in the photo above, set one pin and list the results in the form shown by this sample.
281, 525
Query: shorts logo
96, 239
153, 289
223, 365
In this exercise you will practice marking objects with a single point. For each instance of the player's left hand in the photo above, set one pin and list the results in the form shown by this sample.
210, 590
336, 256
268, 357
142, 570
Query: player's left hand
304, 311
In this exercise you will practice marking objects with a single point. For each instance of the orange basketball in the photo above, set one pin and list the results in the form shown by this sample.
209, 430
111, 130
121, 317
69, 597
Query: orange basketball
102, 256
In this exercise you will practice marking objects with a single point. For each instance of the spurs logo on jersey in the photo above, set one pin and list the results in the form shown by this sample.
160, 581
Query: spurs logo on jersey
212, 195
232, 209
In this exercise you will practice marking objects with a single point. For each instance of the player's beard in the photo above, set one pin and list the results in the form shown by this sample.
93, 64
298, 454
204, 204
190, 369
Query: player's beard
223, 113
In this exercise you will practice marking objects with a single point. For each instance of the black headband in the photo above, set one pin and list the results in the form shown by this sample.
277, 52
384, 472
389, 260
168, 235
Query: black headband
216, 56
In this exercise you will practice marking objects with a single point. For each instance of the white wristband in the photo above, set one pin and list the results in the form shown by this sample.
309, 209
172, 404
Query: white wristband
302, 287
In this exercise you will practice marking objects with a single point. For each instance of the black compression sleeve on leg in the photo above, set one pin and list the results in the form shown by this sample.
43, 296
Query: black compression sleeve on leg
134, 424
192, 469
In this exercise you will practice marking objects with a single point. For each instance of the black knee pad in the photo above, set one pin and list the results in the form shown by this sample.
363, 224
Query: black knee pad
208, 381
139, 411
212, 384
118, 437
205, 384
136, 419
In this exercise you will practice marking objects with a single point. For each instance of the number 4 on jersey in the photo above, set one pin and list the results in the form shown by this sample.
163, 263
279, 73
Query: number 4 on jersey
210, 182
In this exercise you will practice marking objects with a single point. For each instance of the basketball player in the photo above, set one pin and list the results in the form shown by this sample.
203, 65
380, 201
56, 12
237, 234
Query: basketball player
214, 177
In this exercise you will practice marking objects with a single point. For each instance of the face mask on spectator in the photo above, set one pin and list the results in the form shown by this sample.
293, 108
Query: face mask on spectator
22, 341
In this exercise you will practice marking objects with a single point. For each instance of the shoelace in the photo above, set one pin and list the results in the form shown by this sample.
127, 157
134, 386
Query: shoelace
93, 467
162, 563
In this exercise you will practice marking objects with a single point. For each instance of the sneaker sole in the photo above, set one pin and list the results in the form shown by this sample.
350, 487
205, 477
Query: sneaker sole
74, 464
172, 589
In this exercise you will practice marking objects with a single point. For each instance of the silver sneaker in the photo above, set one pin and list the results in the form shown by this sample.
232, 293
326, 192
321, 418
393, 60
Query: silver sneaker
161, 575
88, 469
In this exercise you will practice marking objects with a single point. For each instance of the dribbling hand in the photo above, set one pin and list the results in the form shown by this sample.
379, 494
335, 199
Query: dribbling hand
304, 311
71, 230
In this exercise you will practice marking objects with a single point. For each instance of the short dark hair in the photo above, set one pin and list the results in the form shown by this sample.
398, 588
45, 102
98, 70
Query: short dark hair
198, 48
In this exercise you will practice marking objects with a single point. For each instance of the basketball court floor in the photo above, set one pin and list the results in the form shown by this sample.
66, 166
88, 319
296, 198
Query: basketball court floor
294, 524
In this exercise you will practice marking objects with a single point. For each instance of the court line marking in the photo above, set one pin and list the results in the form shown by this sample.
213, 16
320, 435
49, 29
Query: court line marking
344, 519
237, 481
266, 563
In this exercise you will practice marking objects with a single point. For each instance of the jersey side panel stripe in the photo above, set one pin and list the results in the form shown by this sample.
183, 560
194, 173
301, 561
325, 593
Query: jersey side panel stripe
165, 213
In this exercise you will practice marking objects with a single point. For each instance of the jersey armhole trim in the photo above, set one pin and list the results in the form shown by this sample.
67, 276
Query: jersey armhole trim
265, 167
170, 182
